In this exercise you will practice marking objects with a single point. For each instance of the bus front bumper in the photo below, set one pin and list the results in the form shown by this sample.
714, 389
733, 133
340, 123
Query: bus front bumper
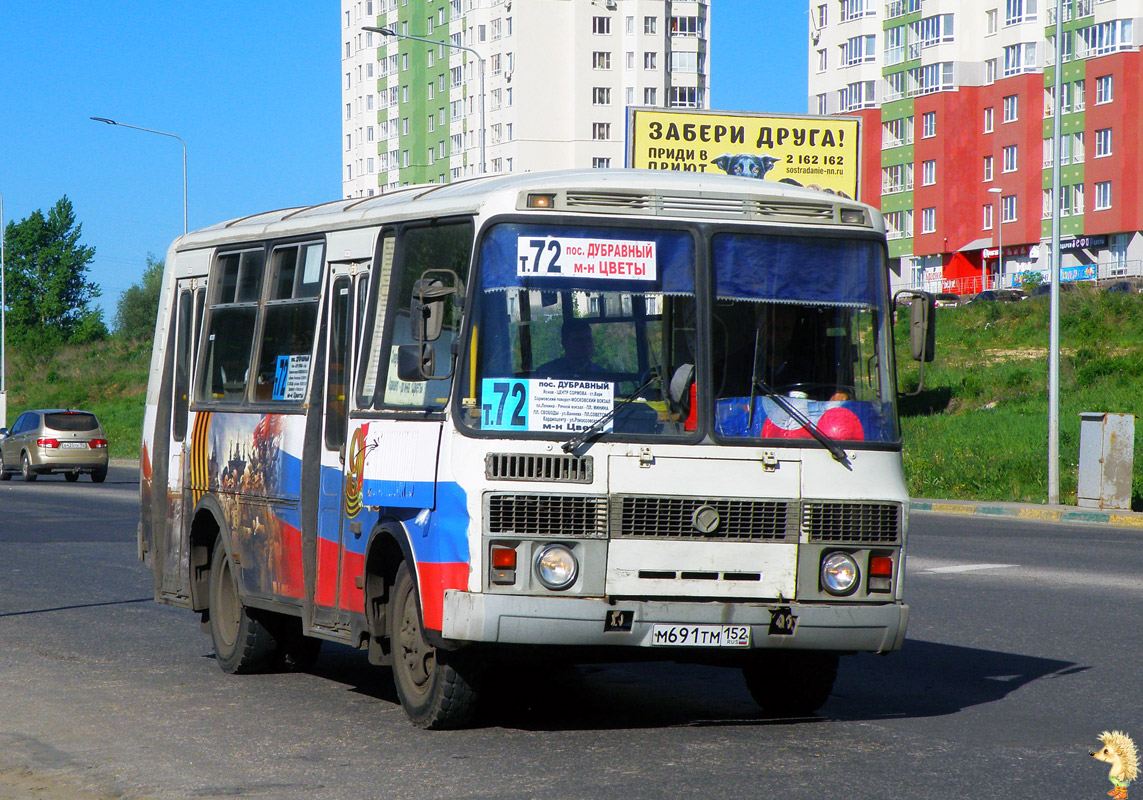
471, 617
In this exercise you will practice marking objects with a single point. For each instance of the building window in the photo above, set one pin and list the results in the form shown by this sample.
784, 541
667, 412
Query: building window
897, 132
601, 131
854, 9
928, 220
897, 178
987, 169
685, 97
987, 217
686, 26
823, 105
649, 96
630, 25
821, 15
1017, 11
858, 50
899, 224
990, 18
936, 30
928, 173
650, 60
601, 60
601, 96
895, 83
1011, 108
858, 95
650, 25
1008, 208
1103, 195
928, 124
988, 117
601, 163
990, 71
1009, 155
599, 25
683, 61
1019, 58
1103, 142
1103, 93
1104, 38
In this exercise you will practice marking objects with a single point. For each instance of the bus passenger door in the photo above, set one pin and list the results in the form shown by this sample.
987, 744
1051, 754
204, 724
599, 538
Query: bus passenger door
334, 528
172, 552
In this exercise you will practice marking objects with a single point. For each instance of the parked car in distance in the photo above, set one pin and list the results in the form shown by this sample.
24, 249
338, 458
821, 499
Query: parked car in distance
1045, 289
43, 441
1125, 286
998, 296
946, 300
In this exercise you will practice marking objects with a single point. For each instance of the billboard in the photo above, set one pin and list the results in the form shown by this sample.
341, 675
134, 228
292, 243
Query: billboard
822, 152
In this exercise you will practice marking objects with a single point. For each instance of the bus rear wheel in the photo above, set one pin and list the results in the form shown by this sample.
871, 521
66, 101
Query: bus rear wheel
242, 644
790, 682
437, 688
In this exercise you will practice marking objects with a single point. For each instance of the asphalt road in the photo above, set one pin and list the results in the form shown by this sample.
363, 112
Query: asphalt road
1021, 650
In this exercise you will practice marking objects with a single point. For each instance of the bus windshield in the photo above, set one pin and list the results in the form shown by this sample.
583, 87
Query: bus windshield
800, 317
573, 322
571, 319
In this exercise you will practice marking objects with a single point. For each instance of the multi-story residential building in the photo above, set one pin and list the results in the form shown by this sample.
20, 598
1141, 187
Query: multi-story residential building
558, 78
956, 101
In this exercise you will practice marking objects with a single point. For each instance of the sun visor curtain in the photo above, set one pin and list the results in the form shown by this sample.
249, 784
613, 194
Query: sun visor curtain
674, 260
799, 269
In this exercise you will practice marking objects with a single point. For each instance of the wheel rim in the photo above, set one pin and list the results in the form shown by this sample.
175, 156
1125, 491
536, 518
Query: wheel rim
227, 608
416, 656
26, 465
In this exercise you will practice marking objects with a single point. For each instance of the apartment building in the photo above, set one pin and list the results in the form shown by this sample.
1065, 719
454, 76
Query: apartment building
956, 101
558, 76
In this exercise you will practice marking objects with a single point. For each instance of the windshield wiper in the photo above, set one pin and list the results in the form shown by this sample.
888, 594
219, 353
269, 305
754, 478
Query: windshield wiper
586, 433
835, 449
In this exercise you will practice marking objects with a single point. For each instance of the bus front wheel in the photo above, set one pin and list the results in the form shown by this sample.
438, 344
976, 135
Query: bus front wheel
437, 688
790, 682
242, 644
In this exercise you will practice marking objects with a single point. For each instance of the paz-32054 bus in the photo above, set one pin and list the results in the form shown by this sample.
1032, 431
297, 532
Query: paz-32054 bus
605, 414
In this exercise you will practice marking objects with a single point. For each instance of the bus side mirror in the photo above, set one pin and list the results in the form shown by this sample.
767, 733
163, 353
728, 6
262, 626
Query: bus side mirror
923, 327
426, 310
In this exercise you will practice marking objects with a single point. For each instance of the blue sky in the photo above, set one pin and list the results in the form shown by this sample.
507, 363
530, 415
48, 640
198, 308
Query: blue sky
254, 90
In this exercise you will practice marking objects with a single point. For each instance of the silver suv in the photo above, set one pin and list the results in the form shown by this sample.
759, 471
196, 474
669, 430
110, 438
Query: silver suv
54, 440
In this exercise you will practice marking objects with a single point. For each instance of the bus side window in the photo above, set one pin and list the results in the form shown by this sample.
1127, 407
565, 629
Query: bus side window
291, 322
183, 350
439, 247
233, 314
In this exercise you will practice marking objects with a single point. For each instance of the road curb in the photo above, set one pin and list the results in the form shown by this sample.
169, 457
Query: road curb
1033, 513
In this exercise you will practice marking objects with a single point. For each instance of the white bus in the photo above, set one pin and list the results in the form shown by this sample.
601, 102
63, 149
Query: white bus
595, 414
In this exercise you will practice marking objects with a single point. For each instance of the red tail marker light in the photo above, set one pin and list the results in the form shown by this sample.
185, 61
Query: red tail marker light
881, 567
50, 444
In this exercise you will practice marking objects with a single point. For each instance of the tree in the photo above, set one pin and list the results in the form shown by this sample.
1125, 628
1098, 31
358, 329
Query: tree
48, 291
138, 306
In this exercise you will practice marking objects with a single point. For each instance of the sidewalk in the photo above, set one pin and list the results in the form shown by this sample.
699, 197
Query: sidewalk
1032, 512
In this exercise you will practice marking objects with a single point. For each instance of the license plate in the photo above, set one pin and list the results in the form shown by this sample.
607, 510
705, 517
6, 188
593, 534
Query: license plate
700, 635
73, 445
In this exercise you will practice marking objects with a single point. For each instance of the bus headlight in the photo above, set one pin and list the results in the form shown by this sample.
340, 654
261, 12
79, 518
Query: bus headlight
556, 567
839, 573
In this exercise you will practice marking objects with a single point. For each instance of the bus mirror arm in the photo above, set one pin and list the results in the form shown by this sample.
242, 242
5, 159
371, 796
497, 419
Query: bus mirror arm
922, 330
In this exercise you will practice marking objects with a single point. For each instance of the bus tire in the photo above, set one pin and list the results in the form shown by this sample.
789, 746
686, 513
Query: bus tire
242, 644
790, 682
437, 688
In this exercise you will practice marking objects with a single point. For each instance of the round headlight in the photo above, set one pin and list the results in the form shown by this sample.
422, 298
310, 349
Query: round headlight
839, 573
556, 567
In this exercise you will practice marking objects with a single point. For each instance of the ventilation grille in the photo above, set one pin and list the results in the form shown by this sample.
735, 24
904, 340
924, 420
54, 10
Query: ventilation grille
535, 467
676, 205
674, 518
852, 523
546, 515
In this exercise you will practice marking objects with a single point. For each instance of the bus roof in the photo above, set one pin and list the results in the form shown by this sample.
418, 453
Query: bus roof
611, 191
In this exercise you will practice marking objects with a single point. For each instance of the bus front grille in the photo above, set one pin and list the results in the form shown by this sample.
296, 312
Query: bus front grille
852, 523
538, 467
545, 515
697, 518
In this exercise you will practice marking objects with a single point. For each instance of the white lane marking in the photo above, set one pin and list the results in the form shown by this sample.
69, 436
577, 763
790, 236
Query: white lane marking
969, 568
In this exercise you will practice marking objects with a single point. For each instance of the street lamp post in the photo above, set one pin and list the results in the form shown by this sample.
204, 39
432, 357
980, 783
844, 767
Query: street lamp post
160, 133
479, 59
999, 237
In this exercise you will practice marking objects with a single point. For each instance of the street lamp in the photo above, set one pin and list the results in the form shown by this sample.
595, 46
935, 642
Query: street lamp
160, 133
479, 59
1000, 239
